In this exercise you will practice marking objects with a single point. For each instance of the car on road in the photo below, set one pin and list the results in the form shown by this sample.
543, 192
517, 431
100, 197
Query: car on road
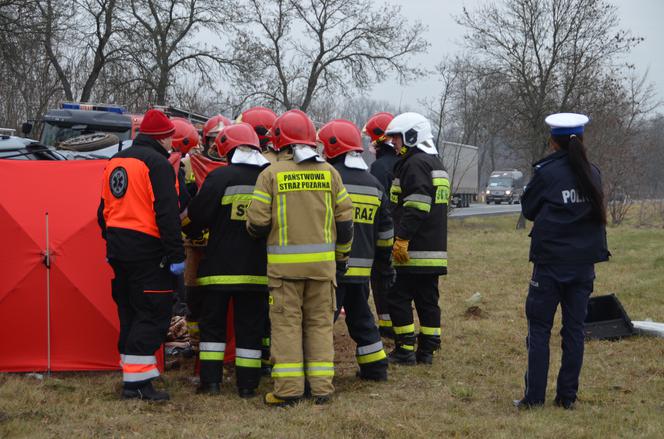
504, 186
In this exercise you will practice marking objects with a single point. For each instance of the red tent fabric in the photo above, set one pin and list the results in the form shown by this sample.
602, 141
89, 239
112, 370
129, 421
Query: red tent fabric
202, 166
55, 299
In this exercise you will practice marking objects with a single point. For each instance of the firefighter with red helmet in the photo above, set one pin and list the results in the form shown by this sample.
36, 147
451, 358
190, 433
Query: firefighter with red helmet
211, 129
262, 119
301, 205
234, 265
383, 169
140, 221
373, 235
185, 137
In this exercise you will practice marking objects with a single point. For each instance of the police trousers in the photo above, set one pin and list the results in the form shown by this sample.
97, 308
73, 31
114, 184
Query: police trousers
570, 286
143, 293
249, 311
301, 314
423, 290
371, 357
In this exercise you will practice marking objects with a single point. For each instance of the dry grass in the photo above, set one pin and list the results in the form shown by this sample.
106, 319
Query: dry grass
467, 392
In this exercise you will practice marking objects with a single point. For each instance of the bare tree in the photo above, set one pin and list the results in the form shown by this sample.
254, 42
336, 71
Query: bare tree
552, 53
163, 45
306, 48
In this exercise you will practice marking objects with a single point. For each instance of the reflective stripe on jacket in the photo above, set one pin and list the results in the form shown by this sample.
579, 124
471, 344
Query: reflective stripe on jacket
306, 213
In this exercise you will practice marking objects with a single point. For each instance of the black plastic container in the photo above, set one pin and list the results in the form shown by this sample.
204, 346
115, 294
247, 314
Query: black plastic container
607, 319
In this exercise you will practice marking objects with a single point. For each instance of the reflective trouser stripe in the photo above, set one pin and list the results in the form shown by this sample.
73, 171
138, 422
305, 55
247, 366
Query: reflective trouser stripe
211, 351
368, 349
137, 368
371, 358
384, 323
320, 369
140, 359
287, 370
404, 329
211, 356
426, 330
232, 280
408, 347
248, 357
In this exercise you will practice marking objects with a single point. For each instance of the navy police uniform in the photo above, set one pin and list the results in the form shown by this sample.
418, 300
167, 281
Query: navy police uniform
383, 170
566, 242
373, 236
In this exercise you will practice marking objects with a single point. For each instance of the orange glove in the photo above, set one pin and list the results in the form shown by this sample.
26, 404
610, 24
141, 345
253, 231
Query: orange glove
400, 251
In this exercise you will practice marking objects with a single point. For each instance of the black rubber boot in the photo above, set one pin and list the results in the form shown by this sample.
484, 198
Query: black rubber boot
426, 346
145, 392
567, 404
404, 351
209, 388
372, 374
246, 393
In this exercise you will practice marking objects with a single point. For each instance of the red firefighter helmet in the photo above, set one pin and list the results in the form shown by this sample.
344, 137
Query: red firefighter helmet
232, 136
293, 127
185, 137
214, 125
340, 136
376, 126
262, 119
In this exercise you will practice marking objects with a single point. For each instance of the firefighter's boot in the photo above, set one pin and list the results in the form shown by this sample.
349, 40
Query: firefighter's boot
145, 392
206, 388
404, 350
426, 346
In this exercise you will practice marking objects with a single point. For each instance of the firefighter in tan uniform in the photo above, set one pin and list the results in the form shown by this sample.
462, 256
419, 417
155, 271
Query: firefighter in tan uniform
302, 207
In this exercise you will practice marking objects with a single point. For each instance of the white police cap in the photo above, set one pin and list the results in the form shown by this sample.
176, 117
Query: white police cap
566, 124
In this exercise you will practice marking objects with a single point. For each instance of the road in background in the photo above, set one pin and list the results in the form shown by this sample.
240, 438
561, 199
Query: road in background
485, 209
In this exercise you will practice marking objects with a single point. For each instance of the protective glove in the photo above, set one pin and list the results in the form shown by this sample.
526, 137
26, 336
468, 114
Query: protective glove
342, 268
400, 251
177, 268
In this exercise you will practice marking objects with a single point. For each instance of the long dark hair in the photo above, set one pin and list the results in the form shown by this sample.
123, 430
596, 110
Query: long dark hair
581, 168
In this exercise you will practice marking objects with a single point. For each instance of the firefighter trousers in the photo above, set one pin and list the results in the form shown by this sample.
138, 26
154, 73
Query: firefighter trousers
249, 310
379, 294
362, 328
423, 290
193, 292
301, 314
143, 293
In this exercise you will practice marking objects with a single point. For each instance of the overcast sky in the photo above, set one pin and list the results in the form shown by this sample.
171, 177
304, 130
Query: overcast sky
643, 17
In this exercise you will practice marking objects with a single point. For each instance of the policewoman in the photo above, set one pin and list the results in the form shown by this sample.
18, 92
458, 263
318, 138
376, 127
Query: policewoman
565, 201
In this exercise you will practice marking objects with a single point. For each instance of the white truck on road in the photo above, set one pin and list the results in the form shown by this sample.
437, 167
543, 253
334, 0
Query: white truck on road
462, 165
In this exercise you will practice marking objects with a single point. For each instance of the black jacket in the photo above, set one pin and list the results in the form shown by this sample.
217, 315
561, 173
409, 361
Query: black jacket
233, 260
139, 214
373, 231
383, 167
564, 231
419, 194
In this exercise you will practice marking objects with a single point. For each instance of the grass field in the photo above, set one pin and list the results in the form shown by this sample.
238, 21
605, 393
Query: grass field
467, 392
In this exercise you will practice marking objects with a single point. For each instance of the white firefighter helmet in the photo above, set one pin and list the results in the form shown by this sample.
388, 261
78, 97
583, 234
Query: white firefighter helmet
415, 131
